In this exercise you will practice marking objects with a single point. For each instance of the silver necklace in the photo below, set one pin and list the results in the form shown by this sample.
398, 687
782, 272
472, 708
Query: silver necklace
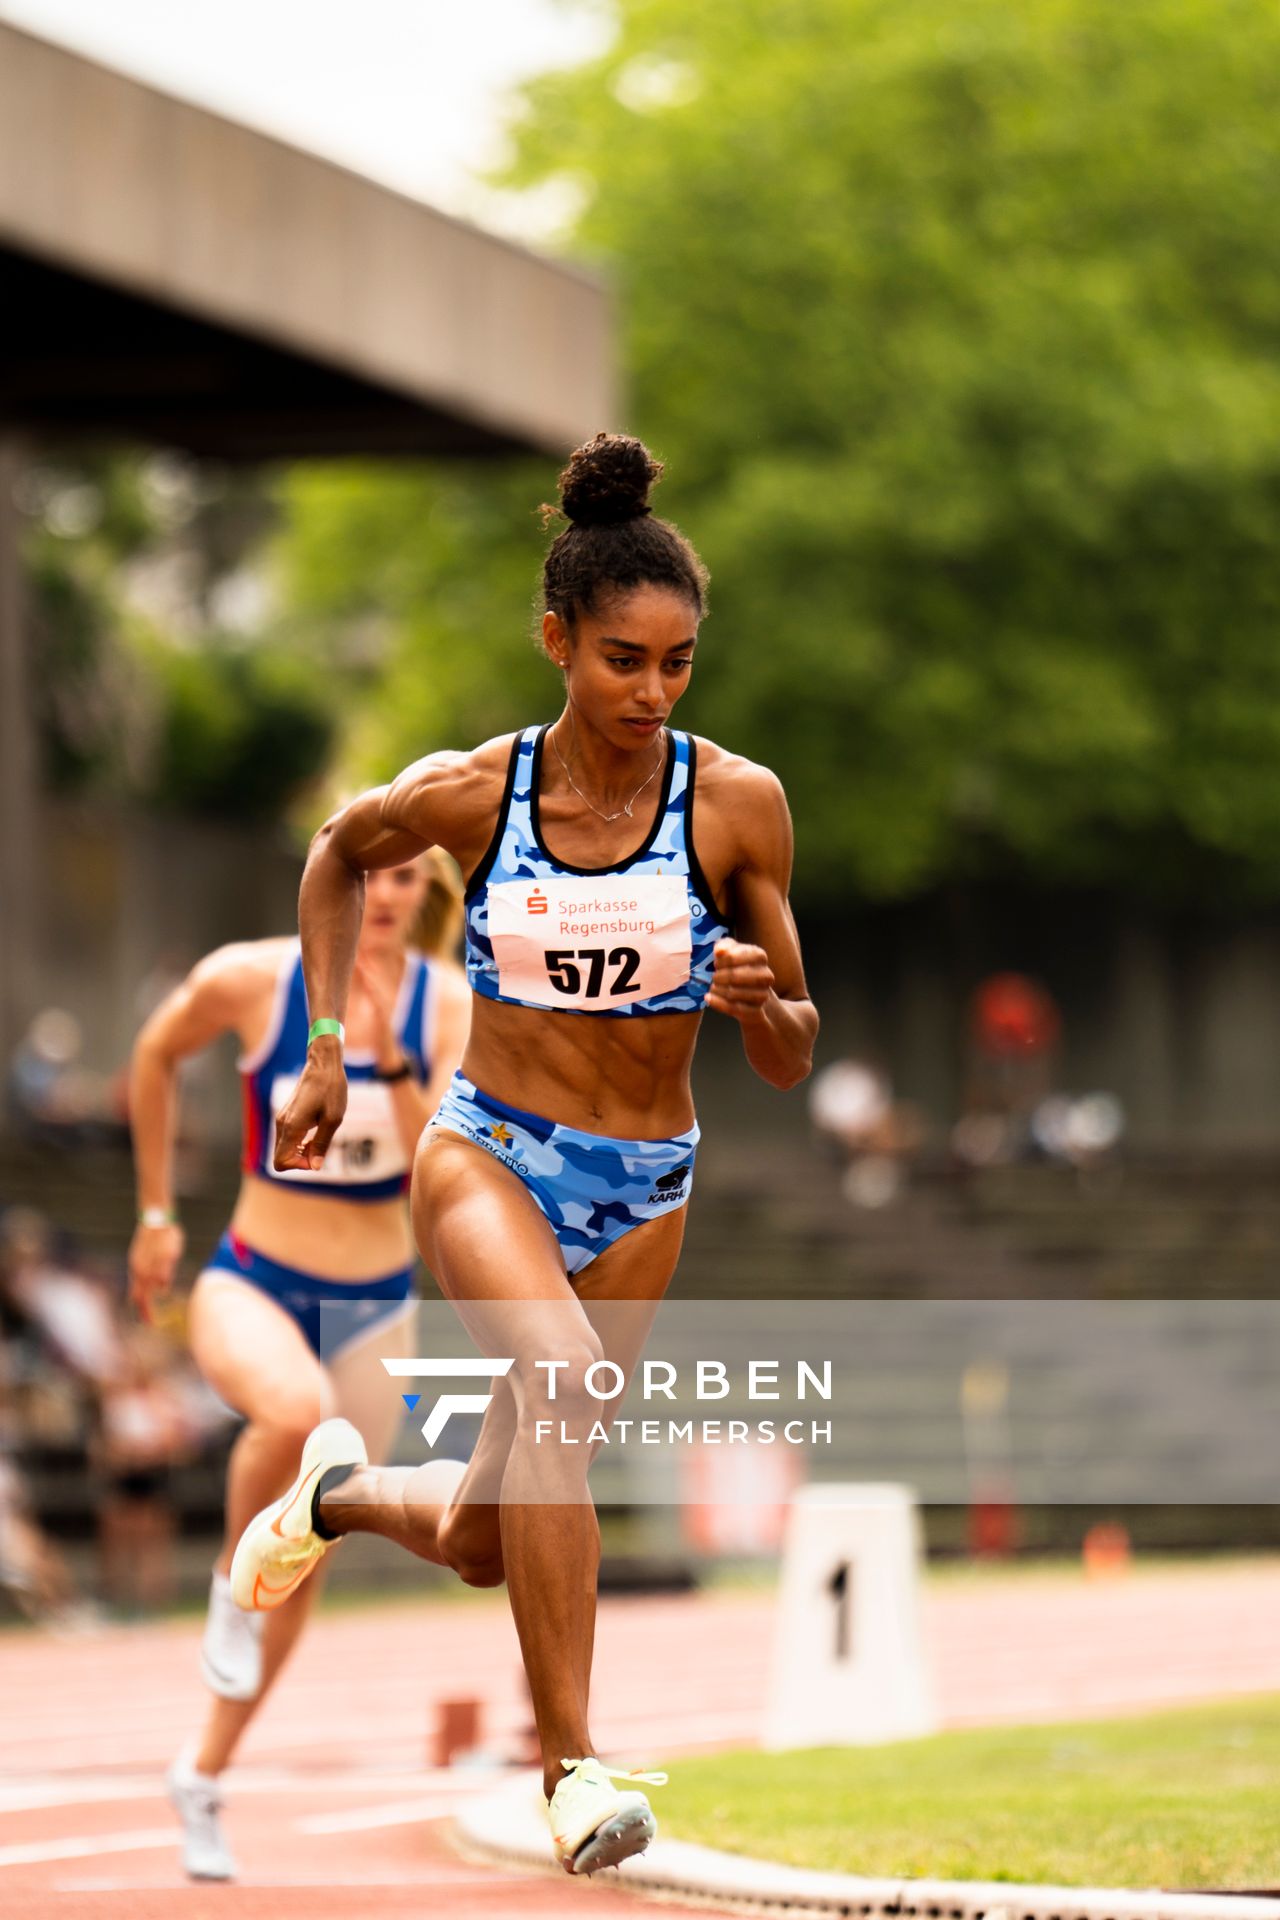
627, 809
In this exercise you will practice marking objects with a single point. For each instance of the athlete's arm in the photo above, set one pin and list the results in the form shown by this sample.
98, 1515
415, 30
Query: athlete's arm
759, 977
383, 828
210, 1001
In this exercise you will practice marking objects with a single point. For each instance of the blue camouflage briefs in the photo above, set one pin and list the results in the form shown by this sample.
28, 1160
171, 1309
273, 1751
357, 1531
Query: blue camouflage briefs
591, 1188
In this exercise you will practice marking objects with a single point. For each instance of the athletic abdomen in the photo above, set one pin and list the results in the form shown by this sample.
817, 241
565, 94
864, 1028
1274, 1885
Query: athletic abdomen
324, 1236
628, 1078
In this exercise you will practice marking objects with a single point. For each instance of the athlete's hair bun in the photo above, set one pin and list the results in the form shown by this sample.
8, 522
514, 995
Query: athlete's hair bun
608, 480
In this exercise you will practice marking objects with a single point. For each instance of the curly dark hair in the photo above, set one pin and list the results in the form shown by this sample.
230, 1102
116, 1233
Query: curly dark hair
613, 541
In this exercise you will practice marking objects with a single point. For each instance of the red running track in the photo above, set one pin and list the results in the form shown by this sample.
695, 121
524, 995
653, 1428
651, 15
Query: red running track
335, 1813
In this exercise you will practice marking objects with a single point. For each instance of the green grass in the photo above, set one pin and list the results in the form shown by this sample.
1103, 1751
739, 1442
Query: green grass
1175, 1800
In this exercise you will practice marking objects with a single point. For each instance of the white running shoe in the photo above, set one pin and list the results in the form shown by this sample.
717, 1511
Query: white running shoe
594, 1825
231, 1651
197, 1801
280, 1547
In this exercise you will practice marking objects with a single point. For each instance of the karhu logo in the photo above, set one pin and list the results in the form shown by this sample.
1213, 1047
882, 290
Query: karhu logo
670, 1187
421, 1369
537, 902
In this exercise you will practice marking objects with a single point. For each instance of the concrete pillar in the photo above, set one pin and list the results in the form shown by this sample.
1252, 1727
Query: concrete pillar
18, 875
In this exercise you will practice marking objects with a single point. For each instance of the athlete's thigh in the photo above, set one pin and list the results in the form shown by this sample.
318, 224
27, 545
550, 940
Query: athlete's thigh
619, 1293
486, 1239
253, 1353
499, 1263
623, 1287
366, 1394
496, 1258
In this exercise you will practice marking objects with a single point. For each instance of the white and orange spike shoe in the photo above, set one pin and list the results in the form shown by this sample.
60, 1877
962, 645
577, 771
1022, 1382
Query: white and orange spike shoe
280, 1547
593, 1824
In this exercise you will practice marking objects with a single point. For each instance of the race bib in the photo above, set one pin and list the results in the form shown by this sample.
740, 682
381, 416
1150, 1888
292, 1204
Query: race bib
588, 942
367, 1146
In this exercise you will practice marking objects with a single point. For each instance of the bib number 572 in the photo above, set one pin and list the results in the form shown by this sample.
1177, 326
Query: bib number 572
565, 974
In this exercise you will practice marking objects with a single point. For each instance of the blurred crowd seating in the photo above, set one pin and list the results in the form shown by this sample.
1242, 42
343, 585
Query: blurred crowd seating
772, 1219
109, 1440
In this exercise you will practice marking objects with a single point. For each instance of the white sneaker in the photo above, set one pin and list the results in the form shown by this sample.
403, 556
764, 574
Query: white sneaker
231, 1651
197, 1801
280, 1547
594, 1825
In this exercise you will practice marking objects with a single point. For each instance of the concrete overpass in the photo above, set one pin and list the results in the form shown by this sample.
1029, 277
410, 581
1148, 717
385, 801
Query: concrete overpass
170, 277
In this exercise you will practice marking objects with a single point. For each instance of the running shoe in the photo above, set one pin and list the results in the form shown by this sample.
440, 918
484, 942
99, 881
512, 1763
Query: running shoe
281, 1547
595, 1825
231, 1651
197, 1801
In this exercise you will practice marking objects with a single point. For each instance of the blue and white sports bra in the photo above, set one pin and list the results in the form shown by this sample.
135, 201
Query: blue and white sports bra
366, 1158
634, 938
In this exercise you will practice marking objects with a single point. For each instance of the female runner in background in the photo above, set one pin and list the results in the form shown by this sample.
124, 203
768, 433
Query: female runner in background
316, 1269
555, 1174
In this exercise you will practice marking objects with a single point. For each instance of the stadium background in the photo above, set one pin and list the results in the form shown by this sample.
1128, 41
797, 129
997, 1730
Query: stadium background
957, 327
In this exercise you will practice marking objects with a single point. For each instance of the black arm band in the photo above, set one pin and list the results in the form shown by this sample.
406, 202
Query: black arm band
402, 1072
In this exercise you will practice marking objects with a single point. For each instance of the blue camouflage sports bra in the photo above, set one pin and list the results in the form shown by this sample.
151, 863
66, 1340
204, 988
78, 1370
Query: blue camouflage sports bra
634, 938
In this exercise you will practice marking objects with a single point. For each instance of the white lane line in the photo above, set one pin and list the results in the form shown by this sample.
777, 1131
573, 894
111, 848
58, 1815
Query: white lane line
84, 1846
244, 1784
91, 1748
426, 1879
398, 1813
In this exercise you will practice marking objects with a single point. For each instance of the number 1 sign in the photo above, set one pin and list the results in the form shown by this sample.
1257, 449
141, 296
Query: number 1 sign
848, 1664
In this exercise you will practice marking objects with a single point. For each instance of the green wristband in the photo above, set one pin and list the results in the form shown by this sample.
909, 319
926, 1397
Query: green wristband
326, 1026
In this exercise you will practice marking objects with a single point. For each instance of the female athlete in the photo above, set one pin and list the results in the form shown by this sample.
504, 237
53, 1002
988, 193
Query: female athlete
547, 1177
316, 1269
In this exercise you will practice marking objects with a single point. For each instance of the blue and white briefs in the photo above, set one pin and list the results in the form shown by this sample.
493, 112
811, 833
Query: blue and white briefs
591, 1188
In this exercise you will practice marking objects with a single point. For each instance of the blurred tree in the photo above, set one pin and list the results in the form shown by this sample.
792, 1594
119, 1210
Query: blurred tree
418, 582
157, 673
957, 321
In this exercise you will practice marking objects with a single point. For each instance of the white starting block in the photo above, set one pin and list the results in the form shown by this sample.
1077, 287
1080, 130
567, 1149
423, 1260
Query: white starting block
848, 1663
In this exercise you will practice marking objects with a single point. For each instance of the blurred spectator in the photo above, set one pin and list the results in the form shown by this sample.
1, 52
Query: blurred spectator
33, 1574
1014, 1031
144, 1428
852, 1104
52, 1097
78, 1377
74, 1315
1083, 1132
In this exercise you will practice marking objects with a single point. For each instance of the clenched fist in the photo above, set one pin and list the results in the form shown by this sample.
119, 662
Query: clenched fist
742, 981
309, 1122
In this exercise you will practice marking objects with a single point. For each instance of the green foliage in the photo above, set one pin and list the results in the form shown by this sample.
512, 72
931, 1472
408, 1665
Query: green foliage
88, 701
240, 730
421, 581
957, 324
193, 719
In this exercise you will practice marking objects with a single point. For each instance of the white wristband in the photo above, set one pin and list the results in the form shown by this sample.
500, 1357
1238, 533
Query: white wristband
156, 1217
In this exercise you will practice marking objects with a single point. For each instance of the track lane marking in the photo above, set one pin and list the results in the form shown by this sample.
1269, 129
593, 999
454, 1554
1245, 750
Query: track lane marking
395, 1813
426, 1879
244, 1784
84, 1846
